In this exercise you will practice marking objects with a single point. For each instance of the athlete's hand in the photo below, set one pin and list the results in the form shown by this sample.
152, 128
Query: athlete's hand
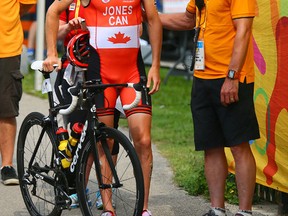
229, 91
50, 62
77, 23
153, 76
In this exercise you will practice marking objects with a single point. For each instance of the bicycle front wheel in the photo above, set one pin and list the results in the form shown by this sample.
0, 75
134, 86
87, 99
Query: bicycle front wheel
38, 195
126, 196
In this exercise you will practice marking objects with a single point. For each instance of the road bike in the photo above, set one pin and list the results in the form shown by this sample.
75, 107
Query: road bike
44, 184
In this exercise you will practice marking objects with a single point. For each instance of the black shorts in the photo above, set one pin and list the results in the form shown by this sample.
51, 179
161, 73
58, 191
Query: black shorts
216, 125
10, 86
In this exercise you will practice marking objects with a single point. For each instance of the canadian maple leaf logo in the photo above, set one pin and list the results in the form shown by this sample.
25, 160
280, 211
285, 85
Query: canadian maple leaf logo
119, 38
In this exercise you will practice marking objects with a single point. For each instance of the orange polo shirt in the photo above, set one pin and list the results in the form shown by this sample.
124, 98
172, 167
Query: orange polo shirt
11, 32
218, 33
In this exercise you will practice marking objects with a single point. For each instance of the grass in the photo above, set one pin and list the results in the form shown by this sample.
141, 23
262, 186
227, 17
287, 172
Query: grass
172, 130
28, 85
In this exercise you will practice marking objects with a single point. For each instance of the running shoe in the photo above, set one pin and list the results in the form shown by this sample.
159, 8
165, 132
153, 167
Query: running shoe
75, 200
216, 212
99, 203
108, 213
244, 213
146, 213
9, 176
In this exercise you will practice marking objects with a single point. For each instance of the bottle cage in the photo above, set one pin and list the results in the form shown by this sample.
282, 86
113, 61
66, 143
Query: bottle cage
78, 49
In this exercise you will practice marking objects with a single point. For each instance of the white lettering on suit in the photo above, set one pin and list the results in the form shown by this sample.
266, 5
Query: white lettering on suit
118, 14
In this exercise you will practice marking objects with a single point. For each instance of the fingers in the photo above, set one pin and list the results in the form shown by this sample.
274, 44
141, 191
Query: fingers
229, 92
155, 87
50, 64
77, 23
229, 99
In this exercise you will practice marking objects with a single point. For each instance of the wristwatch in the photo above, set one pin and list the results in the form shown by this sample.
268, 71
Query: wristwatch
232, 74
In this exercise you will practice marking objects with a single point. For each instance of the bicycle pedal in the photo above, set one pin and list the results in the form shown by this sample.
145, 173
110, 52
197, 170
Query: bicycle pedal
64, 203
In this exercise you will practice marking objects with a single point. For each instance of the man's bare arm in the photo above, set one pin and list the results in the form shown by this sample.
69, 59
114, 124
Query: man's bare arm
243, 28
242, 39
178, 21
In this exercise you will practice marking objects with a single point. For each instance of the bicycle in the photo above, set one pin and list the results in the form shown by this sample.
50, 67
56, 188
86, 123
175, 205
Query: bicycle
43, 184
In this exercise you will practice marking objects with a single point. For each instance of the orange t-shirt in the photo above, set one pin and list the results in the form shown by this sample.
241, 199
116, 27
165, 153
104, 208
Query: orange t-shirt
218, 33
11, 32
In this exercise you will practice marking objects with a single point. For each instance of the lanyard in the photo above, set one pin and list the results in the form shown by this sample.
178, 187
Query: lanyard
199, 15
77, 8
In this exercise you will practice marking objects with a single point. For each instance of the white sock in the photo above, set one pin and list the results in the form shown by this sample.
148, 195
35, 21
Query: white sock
245, 212
219, 211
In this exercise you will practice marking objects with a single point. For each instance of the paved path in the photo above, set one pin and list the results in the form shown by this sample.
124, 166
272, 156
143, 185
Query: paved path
165, 200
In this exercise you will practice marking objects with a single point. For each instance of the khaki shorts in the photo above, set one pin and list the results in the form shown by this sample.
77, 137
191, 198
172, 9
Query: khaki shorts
10, 86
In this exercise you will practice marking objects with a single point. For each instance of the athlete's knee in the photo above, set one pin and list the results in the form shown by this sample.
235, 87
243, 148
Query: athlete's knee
143, 143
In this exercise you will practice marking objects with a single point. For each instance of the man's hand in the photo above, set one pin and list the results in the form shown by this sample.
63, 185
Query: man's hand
229, 91
153, 76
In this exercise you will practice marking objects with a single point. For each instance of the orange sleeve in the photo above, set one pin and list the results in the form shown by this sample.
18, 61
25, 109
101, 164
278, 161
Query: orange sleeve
244, 8
191, 8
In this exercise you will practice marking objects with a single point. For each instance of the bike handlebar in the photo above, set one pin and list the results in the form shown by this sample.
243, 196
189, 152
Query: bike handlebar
75, 90
38, 65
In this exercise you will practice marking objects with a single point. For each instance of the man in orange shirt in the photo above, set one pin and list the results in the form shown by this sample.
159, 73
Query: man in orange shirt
11, 35
222, 94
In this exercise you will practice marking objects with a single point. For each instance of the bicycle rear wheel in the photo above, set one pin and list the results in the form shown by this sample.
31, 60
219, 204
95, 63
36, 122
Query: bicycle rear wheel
38, 195
128, 196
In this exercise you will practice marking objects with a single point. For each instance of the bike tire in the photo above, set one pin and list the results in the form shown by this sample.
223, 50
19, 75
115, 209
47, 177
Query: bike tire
43, 201
127, 199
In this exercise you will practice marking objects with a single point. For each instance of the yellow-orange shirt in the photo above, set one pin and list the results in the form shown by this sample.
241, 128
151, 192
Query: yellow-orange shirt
11, 33
218, 33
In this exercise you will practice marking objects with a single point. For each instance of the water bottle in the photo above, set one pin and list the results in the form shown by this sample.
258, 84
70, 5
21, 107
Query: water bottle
68, 145
75, 136
67, 148
64, 151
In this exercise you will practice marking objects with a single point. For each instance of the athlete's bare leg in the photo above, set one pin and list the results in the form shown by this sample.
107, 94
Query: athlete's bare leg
140, 129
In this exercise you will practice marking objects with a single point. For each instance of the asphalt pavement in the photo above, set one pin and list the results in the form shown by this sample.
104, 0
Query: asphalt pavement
166, 199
